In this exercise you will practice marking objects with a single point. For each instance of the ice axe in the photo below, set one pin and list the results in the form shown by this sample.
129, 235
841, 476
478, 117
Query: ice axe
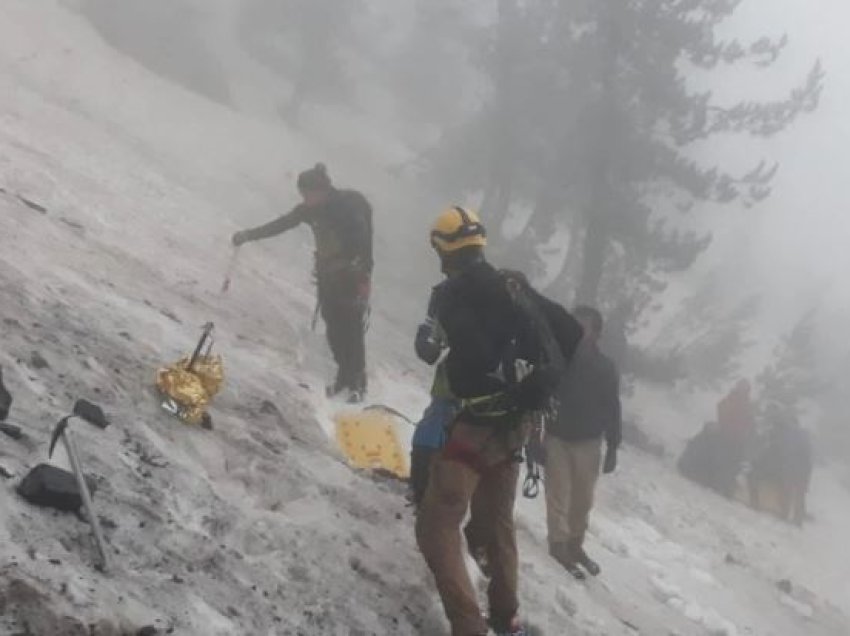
90, 413
206, 341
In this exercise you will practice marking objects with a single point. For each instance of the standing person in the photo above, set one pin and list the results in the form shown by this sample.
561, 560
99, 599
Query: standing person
492, 320
782, 469
736, 422
588, 411
341, 221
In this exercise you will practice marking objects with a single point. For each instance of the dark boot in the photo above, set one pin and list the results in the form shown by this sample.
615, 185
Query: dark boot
580, 556
562, 553
514, 628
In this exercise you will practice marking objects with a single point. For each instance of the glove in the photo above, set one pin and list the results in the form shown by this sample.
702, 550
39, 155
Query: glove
534, 390
427, 348
239, 238
610, 463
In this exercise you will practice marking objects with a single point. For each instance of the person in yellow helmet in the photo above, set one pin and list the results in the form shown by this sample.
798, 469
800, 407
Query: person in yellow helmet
495, 325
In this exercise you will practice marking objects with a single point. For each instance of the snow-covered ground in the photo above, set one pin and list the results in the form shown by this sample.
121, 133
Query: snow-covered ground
258, 526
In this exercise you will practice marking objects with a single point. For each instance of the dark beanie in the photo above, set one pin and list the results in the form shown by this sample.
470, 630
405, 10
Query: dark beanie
315, 179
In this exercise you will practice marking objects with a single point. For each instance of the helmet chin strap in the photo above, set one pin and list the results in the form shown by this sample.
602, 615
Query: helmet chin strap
453, 263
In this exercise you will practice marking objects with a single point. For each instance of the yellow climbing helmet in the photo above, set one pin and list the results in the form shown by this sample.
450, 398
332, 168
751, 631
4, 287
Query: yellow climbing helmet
457, 227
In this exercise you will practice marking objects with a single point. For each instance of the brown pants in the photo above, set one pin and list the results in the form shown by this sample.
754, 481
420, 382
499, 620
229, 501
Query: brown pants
475, 467
572, 469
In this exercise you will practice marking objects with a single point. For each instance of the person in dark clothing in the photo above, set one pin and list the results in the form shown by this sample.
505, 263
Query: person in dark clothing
492, 321
707, 461
341, 221
588, 411
782, 470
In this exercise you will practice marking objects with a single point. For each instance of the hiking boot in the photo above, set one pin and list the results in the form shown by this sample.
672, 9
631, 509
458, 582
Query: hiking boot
332, 390
564, 555
515, 628
586, 562
355, 396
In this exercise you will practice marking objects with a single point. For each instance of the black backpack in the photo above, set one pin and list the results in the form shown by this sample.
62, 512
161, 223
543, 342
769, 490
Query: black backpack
556, 331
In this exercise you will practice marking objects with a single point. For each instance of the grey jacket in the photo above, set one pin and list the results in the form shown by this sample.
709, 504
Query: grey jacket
589, 399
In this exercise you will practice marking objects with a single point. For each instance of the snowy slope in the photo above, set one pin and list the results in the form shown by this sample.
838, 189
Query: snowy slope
258, 527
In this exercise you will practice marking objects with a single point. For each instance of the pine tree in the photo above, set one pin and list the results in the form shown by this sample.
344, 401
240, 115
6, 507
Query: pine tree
711, 339
592, 124
790, 383
429, 69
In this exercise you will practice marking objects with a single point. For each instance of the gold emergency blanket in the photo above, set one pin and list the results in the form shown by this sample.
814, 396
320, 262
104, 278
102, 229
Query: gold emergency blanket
193, 390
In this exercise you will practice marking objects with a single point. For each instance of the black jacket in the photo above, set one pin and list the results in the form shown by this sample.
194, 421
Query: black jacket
342, 227
589, 399
487, 331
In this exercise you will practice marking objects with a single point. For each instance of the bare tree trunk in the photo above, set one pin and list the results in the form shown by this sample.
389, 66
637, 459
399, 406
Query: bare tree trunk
594, 254
497, 197
499, 193
567, 282
598, 212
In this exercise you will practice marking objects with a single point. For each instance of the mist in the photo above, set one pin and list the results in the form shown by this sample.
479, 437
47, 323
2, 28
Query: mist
679, 166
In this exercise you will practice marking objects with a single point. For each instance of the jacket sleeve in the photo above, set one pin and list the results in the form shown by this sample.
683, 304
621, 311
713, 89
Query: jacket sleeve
613, 408
428, 343
278, 226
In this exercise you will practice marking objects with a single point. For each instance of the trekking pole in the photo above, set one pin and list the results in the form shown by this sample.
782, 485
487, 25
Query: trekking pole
318, 310
231, 268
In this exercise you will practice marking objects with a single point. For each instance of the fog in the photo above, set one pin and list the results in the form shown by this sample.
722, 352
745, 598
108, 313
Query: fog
419, 73
679, 165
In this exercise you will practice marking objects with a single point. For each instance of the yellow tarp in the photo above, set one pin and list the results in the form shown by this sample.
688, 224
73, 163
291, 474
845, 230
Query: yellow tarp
369, 441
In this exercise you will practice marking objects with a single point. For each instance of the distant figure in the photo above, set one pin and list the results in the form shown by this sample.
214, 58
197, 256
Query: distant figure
707, 461
736, 413
782, 470
736, 423
588, 411
341, 221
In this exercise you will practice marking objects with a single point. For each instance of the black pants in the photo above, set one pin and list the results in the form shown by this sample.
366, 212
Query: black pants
344, 305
